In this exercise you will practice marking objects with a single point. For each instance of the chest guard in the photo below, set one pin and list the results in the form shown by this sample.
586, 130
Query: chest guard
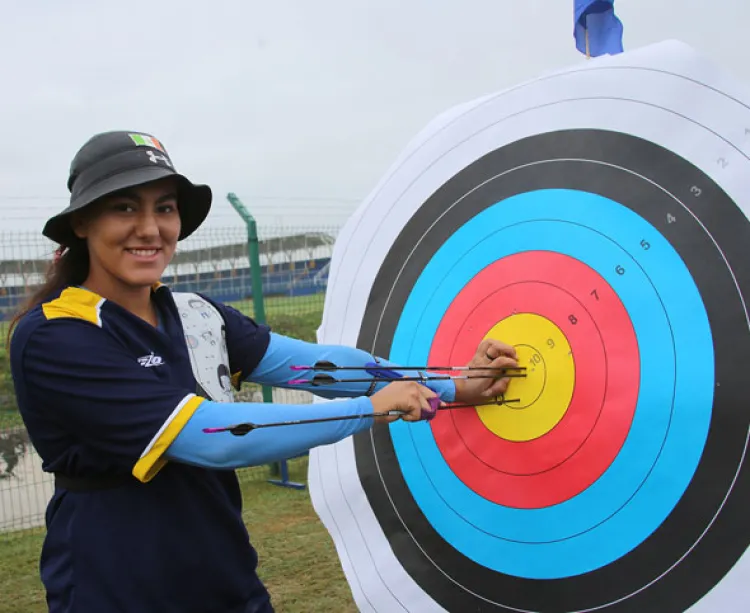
205, 336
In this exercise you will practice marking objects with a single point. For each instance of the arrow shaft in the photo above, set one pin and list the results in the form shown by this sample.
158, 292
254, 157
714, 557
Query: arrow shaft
333, 367
247, 427
326, 380
297, 422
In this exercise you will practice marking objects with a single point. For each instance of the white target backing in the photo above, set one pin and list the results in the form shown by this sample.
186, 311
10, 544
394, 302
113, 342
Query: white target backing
598, 218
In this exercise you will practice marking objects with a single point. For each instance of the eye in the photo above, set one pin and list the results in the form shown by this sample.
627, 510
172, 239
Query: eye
123, 207
167, 207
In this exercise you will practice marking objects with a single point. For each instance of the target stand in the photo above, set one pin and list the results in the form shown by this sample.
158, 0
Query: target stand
596, 219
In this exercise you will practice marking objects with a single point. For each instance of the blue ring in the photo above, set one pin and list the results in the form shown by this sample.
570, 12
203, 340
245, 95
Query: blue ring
575, 536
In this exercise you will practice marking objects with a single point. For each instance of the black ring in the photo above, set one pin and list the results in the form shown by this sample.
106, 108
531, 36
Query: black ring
706, 532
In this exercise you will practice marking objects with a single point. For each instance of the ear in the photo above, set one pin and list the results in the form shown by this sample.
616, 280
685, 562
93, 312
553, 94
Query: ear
79, 225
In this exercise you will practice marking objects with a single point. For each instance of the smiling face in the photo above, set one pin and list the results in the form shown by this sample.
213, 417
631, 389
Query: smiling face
131, 237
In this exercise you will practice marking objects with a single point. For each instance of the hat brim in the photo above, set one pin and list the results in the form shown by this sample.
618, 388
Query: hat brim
194, 201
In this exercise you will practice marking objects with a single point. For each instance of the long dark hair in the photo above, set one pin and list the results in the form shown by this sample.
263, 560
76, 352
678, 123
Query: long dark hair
70, 267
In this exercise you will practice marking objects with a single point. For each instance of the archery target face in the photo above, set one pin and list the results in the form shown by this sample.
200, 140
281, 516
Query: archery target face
596, 220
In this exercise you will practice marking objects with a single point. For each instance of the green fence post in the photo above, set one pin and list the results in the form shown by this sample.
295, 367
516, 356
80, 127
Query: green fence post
253, 253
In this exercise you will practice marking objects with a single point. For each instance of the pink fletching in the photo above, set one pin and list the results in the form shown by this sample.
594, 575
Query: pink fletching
430, 415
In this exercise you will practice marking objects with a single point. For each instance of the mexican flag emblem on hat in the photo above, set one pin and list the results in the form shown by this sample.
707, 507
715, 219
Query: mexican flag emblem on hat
144, 140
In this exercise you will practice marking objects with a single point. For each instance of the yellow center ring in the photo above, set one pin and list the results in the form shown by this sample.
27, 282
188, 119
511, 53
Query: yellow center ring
545, 393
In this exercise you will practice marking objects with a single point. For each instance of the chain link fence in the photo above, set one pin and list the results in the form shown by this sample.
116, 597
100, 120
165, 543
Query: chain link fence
215, 261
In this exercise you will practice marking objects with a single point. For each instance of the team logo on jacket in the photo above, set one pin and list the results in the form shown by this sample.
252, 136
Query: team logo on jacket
150, 360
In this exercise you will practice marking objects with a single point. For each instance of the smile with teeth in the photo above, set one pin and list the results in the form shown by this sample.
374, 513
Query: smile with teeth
143, 253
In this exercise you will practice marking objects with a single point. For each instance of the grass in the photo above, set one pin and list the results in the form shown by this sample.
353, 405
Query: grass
9, 418
298, 562
19, 572
296, 316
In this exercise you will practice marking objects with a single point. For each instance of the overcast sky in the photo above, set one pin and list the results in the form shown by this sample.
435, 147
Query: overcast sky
298, 106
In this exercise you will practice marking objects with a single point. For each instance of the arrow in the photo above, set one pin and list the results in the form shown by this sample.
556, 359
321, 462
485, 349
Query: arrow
321, 379
329, 367
245, 428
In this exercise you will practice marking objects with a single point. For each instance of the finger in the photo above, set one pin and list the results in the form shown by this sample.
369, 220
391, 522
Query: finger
498, 388
498, 363
424, 408
416, 407
504, 362
484, 346
495, 349
427, 392
500, 385
422, 401
413, 402
485, 353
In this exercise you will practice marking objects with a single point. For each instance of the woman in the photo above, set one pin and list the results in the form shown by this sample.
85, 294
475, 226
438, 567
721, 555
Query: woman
146, 512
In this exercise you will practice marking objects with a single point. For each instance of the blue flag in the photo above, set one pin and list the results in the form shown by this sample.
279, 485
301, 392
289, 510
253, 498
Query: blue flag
598, 19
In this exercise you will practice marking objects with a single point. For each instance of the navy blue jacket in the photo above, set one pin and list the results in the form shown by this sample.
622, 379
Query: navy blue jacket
102, 394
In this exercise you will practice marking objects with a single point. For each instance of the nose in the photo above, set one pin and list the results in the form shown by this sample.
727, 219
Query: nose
147, 225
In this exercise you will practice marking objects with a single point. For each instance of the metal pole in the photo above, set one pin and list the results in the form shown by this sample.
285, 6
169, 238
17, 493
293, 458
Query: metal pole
253, 252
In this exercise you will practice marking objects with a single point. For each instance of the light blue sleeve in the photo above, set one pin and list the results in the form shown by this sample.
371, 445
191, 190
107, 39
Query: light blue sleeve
283, 352
224, 450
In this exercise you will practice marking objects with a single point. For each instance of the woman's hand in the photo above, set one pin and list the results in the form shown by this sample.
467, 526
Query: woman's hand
494, 354
407, 396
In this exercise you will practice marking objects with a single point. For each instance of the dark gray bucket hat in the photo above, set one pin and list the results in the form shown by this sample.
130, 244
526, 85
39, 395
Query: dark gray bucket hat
117, 160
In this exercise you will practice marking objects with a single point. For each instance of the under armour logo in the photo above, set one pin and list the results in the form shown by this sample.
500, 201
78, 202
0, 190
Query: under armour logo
155, 158
147, 361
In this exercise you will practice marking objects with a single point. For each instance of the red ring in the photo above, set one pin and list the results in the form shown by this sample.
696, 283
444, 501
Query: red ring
560, 443
455, 341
